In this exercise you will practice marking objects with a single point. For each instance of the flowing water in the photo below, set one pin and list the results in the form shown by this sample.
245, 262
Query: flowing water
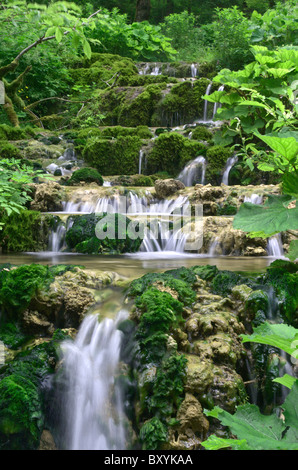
230, 163
92, 399
194, 172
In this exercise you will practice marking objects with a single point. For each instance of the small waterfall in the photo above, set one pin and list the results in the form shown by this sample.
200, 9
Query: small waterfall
274, 246
254, 199
217, 105
193, 70
56, 238
230, 163
162, 239
92, 400
141, 155
155, 70
212, 247
194, 172
205, 116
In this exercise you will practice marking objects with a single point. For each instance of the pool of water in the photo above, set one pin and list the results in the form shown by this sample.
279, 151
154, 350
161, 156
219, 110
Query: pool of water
133, 266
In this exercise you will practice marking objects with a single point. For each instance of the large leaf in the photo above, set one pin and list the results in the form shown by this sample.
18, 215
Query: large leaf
279, 335
278, 214
285, 146
293, 250
290, 183
255, 431
287, 380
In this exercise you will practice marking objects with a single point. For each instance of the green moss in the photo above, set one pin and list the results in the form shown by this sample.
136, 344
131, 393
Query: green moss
22, 400
12, 336
9, 151
170, 153
114, 157
26, 231
282, 275
87, 175
201, 133
223, 283
217, 157
82, 236
15, 133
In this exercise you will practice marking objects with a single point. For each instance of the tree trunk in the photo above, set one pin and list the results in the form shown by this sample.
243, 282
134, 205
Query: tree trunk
143, 10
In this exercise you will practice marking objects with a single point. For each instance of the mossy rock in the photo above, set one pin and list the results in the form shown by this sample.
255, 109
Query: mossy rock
9, 151
8, 132
171, 152
86, 175
114, 157
217, 157
26, 231
114, 234
201, 133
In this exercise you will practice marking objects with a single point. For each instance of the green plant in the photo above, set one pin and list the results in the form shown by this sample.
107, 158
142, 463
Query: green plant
251, 429
88, 175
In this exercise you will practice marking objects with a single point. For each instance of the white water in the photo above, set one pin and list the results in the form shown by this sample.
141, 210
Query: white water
194, 172
93, 403
56, 238
161, 239
274, 246
230, 163
254, 199
194, 70
205, 116
141, 155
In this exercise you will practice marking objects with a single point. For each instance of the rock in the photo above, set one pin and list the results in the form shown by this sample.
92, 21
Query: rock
47, 441
48, 197
36, 324
167, 187
199, 375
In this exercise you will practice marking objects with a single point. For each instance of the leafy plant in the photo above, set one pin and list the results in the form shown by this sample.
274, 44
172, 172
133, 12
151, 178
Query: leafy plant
253, 430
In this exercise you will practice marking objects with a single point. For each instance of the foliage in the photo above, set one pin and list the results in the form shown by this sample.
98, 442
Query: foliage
252, 430
15, 177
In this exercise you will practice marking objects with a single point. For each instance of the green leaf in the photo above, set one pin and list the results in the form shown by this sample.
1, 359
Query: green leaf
290, 183
277, 214
279, 335
216, 443
293, 250
287, 380
58, 35
261, 432
285, 146
87, 49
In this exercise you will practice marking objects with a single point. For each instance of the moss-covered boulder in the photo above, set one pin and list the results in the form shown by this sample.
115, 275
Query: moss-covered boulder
85, 175
104, 233
217, 157
113, 157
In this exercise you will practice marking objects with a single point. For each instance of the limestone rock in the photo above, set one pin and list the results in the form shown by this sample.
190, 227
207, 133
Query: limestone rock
48, 197
47, 441
167, 187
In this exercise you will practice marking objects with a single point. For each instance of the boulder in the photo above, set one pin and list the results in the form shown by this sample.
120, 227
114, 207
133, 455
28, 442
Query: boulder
48, 197
167, 187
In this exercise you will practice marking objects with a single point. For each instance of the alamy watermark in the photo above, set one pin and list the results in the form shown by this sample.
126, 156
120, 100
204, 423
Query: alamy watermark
181, 226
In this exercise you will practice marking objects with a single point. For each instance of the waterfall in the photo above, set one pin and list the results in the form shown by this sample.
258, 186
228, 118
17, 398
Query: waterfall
230, 163
194, 70
212, 247
194, 172
155, 71
92, 400
56, 238
141, 155
205, 116
162, 239
254, 199
217, 105
274, 246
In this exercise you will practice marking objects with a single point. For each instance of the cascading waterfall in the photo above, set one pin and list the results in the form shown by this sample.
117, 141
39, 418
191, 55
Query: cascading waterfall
205, 116
274, 246
141, 155
253, 198
92, 400
230, 163
193, 70
56, 238
162, 239
194, 172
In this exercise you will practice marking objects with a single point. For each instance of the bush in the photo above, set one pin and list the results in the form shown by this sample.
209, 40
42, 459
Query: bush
217, 157
87, 175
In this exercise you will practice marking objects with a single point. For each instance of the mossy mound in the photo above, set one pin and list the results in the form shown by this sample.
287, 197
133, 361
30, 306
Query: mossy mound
113, 157
104, 233
86, 175
217, 157
171, 152
15, 133
26, 231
